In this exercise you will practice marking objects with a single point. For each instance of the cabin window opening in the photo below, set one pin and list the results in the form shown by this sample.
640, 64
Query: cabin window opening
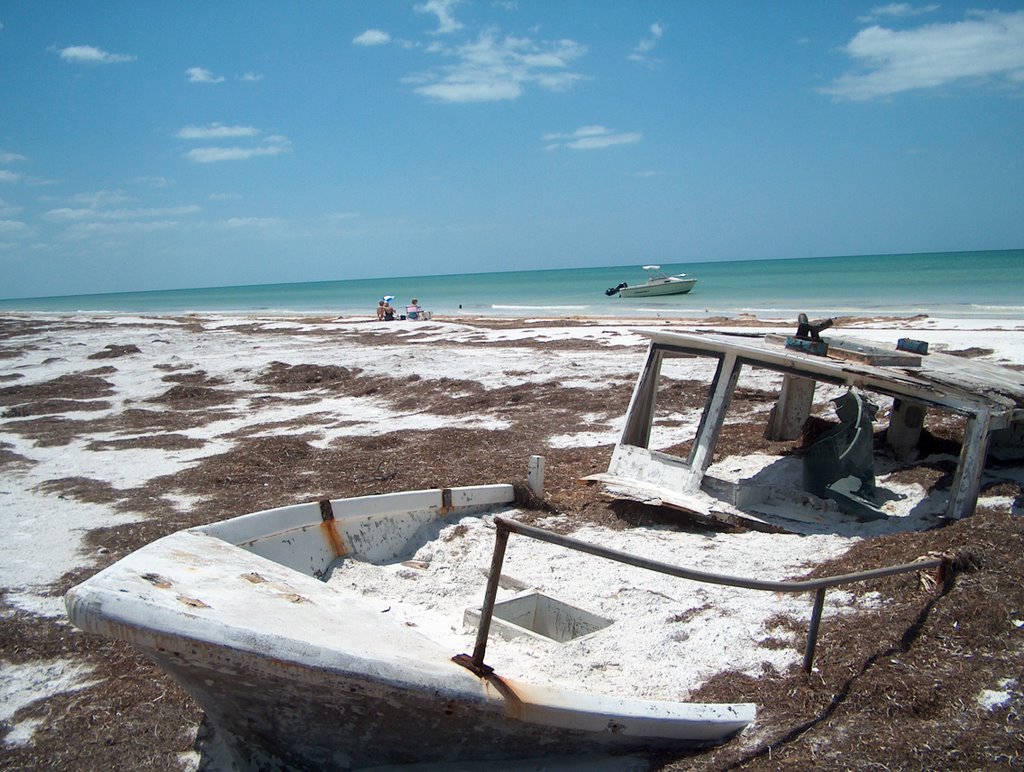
682, 392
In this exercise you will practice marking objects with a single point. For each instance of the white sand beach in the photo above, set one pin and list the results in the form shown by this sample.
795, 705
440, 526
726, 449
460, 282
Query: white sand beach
115, 430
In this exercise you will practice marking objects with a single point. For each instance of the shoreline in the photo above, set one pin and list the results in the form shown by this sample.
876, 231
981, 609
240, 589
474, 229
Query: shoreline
1001, 316
683, 317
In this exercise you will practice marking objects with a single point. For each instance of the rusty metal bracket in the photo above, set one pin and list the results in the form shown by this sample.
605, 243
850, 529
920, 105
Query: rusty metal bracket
326, 510
467, 662
329, 527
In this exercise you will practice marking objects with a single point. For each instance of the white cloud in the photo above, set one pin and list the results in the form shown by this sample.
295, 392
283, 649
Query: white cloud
987, 47
209, 155
41, 182
217, 131
86, 230
153, 182
372, 37
442, 9
14, 228
8, 210
92, 55
96, 218
472, 90
266, 146
591, 138
897, 11
10, 158
68, 214
6, 176
250, 222
645, 46
100, 198
202, 75
490, 70
252, 77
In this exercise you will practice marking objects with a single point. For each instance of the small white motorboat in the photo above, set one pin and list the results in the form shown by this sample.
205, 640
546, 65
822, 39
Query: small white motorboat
657, 283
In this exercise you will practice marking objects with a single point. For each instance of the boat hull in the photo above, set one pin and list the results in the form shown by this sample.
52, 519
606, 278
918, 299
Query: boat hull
269, 713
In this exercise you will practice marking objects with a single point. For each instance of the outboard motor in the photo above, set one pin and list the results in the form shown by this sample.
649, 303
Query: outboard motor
612, 290
840, 464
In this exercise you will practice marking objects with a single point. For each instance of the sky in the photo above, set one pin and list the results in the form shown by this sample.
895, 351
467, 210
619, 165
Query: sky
153, 145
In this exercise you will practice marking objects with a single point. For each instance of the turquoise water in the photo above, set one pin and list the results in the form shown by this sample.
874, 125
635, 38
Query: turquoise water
956, 284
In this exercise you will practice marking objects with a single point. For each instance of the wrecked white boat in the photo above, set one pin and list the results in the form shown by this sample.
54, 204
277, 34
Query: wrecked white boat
293, 672
989, 399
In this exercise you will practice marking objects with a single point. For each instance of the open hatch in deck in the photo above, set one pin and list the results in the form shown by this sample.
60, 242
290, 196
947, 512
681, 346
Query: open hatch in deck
989, 399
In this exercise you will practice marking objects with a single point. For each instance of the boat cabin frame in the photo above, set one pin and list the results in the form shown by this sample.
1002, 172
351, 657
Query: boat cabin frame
990, 397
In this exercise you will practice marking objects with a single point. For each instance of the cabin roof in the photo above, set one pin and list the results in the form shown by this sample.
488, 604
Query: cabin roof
942, 379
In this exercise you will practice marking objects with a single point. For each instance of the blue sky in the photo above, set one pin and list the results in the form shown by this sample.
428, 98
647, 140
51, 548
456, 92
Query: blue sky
153, 145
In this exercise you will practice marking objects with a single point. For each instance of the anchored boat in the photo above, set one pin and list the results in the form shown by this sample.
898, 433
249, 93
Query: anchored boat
657, 283
293, 672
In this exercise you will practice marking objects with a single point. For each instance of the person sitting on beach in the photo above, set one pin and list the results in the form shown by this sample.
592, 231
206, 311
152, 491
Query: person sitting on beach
413, 310
380, 310
389, 312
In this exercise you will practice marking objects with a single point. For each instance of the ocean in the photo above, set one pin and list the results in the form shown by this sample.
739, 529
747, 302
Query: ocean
942, 284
